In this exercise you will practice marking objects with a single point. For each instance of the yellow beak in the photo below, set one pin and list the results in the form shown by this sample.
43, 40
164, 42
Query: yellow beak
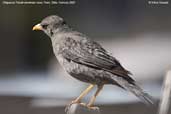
37, 27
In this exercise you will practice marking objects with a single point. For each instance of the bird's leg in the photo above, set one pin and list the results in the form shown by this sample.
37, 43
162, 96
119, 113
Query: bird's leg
92, 100
78, 99
86, 91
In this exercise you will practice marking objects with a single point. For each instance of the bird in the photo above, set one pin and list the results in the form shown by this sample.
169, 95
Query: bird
87, 61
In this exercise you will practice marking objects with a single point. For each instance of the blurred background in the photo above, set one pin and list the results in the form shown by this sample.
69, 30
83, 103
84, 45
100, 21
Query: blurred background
138, 34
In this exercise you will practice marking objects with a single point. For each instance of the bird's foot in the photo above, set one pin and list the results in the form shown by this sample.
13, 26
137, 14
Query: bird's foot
89, 107
83, 104
92, 107
74, 102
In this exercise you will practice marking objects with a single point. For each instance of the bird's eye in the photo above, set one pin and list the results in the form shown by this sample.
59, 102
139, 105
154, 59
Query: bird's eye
44, 26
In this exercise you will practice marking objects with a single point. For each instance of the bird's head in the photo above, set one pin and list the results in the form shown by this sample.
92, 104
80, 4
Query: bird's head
50, 24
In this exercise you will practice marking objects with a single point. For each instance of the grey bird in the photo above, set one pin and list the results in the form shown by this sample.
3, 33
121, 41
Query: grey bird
87, 61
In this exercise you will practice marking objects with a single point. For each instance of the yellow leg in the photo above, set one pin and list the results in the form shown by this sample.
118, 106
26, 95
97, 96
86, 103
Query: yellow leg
86, 91
78, 99
92, 100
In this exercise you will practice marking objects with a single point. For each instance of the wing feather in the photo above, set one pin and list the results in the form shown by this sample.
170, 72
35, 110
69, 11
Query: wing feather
91, 54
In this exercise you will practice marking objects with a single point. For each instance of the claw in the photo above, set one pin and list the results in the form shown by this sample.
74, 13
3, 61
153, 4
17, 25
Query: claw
92, 108
83, 104
73, 102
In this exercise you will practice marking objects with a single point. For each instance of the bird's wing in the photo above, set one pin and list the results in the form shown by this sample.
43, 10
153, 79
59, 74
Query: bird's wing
91, 54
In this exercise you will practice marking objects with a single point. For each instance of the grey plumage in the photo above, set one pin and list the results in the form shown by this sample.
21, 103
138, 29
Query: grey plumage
87, 60
135, 89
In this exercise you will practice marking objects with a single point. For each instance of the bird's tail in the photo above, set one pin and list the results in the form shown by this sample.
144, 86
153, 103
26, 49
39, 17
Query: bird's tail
135, 89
